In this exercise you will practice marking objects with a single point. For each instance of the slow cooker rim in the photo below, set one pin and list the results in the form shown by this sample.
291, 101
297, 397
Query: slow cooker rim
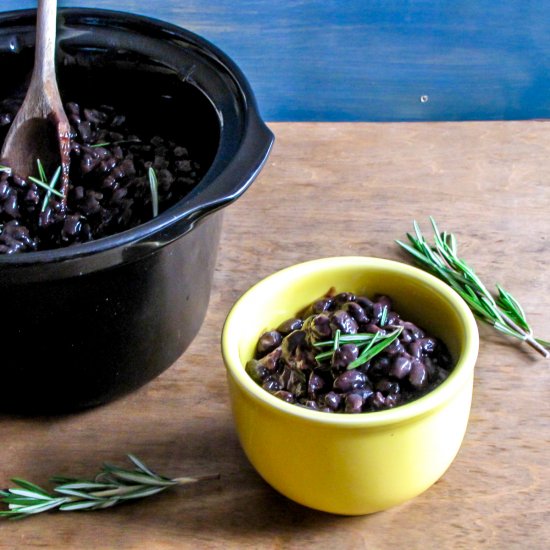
177, 213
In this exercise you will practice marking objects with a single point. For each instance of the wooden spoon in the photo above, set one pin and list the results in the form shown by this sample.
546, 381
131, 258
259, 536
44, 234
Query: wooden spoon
40, 129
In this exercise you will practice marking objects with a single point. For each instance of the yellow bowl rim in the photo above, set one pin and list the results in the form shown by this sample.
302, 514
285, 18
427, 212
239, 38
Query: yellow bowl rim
460, 375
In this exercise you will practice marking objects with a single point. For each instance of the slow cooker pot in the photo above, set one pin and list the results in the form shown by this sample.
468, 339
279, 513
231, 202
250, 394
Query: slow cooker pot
84, 324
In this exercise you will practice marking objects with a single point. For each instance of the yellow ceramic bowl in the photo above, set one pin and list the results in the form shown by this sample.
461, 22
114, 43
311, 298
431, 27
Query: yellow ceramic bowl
351, 463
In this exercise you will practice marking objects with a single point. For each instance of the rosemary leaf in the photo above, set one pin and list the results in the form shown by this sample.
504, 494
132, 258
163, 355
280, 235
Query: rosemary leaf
46, 186
373, 350
153, 184
41, 171
360, 339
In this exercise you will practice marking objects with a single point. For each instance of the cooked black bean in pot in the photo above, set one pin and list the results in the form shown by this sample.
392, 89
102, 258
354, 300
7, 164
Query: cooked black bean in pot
109, 187
332, 377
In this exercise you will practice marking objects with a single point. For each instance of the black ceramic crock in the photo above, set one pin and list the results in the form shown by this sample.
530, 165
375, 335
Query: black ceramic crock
84, 324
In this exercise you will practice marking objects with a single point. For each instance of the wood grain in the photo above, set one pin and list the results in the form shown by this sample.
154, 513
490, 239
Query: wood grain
332, 189
373, 61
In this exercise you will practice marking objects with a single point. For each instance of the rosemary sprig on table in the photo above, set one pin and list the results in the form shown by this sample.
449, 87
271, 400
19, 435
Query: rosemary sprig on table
502, 311
112, 485
372, 344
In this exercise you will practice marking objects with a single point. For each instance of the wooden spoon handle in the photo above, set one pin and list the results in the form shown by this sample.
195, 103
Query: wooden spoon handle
44, 57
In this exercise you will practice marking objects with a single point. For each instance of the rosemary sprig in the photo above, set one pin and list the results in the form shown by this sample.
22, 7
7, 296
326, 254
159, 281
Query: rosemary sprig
365, 340
118, 142
49, 186
112, 485
503, 312
153, 184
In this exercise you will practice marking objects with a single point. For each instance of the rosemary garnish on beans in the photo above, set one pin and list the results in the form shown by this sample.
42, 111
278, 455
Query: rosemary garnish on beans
45, 184
502, 311
154, 185
366, 341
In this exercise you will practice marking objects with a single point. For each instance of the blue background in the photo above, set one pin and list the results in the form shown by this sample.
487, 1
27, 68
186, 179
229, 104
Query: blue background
348, 60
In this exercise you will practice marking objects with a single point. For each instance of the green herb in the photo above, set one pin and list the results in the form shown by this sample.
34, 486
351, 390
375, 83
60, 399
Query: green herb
119, 142
49, 186
6, 169
153, 183
336, 343
503, 312
384, 316
366, 341
111, 486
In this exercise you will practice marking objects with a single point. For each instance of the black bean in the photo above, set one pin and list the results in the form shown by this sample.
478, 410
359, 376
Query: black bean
377, 401
332, 400
418, 377
350, 380
270, 360
315, 385
94, 115
71, 226
343, 321
292, 341
372, 328
406, 336
118, 120
256, 371
396, 347
84, 130
365, 393
342, 298
415, 349
10, 206
292, 380
365, 303
268, 341
391, 400
318, 327
354, 403
4, 189
311, 404
321, 305
392, 318
384, 301
387, 386
344, 355
356, 311
428, 344
284, 396
401, 367
379, 367
271, 384
289, 325
32, 196
5, 119
415, 331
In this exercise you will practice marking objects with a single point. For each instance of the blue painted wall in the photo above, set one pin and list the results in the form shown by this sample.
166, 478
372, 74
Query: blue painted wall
374, 60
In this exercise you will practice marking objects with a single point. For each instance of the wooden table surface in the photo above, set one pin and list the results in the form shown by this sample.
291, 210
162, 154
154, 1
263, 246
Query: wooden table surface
333, 189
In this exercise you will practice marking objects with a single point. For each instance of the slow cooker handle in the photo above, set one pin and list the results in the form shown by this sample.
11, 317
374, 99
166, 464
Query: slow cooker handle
234, 180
